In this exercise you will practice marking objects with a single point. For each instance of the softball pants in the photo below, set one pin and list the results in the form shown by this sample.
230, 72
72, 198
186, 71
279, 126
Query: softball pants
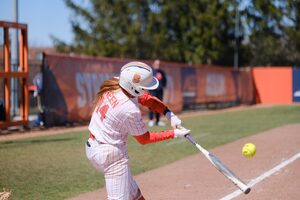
112, 161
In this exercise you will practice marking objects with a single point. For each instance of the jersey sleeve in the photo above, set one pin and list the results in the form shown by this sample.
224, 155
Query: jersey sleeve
135, 124
153, 103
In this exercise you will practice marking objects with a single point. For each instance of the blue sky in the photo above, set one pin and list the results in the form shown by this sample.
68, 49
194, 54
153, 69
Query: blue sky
43, 17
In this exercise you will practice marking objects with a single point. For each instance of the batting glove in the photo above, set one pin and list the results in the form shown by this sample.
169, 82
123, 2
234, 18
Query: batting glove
181, 132
175, 121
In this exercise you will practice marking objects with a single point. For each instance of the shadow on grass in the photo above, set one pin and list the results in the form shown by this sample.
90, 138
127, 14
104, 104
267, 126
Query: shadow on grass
9, 144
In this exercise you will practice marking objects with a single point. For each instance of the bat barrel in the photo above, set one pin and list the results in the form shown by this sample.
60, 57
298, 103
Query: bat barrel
220, 166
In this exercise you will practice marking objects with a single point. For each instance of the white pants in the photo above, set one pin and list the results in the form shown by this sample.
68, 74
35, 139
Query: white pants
112, 161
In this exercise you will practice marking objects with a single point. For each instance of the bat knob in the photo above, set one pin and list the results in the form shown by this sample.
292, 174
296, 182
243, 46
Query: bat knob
247, 191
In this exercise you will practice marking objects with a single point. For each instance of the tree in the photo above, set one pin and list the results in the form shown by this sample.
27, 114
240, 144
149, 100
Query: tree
200, 31
273, 32
195, 31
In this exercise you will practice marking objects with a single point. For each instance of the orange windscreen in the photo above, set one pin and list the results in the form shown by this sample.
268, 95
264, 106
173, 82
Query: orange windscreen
273, 84
71, 83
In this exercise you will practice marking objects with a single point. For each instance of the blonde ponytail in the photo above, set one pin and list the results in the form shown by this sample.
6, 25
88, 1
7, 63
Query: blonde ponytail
107, 85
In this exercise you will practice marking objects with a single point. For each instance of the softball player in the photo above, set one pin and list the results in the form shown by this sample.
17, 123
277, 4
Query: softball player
117, 115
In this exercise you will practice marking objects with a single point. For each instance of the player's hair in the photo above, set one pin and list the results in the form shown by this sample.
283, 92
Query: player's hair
107, 85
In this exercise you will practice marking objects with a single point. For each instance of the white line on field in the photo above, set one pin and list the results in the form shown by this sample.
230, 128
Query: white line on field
183, 140
263, 176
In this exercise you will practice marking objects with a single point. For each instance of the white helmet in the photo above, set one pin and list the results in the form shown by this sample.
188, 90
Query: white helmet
135, 77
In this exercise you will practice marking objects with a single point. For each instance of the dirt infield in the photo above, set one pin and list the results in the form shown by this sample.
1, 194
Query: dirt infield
195, 178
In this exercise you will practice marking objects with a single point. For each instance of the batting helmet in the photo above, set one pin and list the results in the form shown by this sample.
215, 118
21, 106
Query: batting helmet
135, 77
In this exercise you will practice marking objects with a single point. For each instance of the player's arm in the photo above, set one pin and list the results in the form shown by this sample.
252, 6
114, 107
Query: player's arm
153, 103
151, 137
137, 128
156, 105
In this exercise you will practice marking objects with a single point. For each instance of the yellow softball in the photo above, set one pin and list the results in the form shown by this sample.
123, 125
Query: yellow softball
249, 150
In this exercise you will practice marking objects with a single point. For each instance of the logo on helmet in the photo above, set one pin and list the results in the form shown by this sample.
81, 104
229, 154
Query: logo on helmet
136, 78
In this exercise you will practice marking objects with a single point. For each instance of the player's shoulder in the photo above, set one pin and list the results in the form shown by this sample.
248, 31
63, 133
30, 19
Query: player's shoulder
132, 105
129, 104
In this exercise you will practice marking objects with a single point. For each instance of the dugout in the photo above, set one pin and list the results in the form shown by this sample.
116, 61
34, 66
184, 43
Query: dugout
13, 76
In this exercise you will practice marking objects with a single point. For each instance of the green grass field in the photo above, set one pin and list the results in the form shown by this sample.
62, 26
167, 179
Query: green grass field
55, 167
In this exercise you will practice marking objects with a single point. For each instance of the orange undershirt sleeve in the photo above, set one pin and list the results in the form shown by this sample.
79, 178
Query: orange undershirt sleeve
151, 137
153, 103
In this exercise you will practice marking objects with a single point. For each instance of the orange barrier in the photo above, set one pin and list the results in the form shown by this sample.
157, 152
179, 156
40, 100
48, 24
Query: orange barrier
70, 84
273, 84
246, 92
215, 84
212, 84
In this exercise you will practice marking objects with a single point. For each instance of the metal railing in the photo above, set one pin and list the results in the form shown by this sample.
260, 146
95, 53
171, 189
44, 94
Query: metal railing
15, 76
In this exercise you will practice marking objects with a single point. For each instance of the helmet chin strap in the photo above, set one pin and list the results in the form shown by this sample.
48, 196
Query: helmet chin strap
130, 95
139, 92
135, 91
127, 93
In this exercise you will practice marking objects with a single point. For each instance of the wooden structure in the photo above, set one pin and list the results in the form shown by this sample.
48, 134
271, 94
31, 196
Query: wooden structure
21, 74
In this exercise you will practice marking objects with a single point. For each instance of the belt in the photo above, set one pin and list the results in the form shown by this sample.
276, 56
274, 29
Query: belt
92, 136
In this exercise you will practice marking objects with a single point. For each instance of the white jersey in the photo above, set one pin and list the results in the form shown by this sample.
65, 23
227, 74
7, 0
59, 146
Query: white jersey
116, 116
